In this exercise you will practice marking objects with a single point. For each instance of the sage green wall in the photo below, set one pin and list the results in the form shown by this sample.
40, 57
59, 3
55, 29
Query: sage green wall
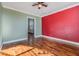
0, 25
15, 25
38, 27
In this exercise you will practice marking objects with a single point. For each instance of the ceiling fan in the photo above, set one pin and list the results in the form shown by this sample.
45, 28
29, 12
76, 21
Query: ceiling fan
40, 4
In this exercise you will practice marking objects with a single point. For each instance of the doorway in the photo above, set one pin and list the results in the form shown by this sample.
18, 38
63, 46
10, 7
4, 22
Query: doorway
31, 30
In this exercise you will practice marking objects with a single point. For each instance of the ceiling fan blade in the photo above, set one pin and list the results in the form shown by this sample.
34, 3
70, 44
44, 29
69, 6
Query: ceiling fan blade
44, 5
34, 4
40, 2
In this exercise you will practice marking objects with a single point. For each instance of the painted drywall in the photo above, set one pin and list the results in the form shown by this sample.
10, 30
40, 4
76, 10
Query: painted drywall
0, 25
15, 25
64, 24
38, 27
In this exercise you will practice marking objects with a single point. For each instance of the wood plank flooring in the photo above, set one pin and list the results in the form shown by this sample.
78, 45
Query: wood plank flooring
42, 47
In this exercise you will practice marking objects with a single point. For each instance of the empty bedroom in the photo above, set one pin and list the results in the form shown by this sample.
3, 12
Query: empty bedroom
39, 28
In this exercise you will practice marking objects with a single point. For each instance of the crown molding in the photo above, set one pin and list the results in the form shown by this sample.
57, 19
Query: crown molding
44, 14
20, 11
65, 8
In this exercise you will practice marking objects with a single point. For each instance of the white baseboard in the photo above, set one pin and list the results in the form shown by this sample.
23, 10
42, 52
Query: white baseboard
38, 36
50, 38
14, 41
62, 41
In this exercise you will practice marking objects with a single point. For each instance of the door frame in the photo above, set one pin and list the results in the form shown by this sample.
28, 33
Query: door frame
34, 25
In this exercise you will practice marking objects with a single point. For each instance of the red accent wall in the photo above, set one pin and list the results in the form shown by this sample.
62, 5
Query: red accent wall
64, 24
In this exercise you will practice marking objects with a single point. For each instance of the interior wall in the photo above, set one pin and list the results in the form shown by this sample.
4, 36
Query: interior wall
0, 25
63, 25
15, 25
38, 29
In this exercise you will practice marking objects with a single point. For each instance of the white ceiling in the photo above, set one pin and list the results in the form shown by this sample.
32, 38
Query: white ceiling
27, 7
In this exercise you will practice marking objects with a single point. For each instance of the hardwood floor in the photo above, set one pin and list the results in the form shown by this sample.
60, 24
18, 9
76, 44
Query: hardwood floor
42, 47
